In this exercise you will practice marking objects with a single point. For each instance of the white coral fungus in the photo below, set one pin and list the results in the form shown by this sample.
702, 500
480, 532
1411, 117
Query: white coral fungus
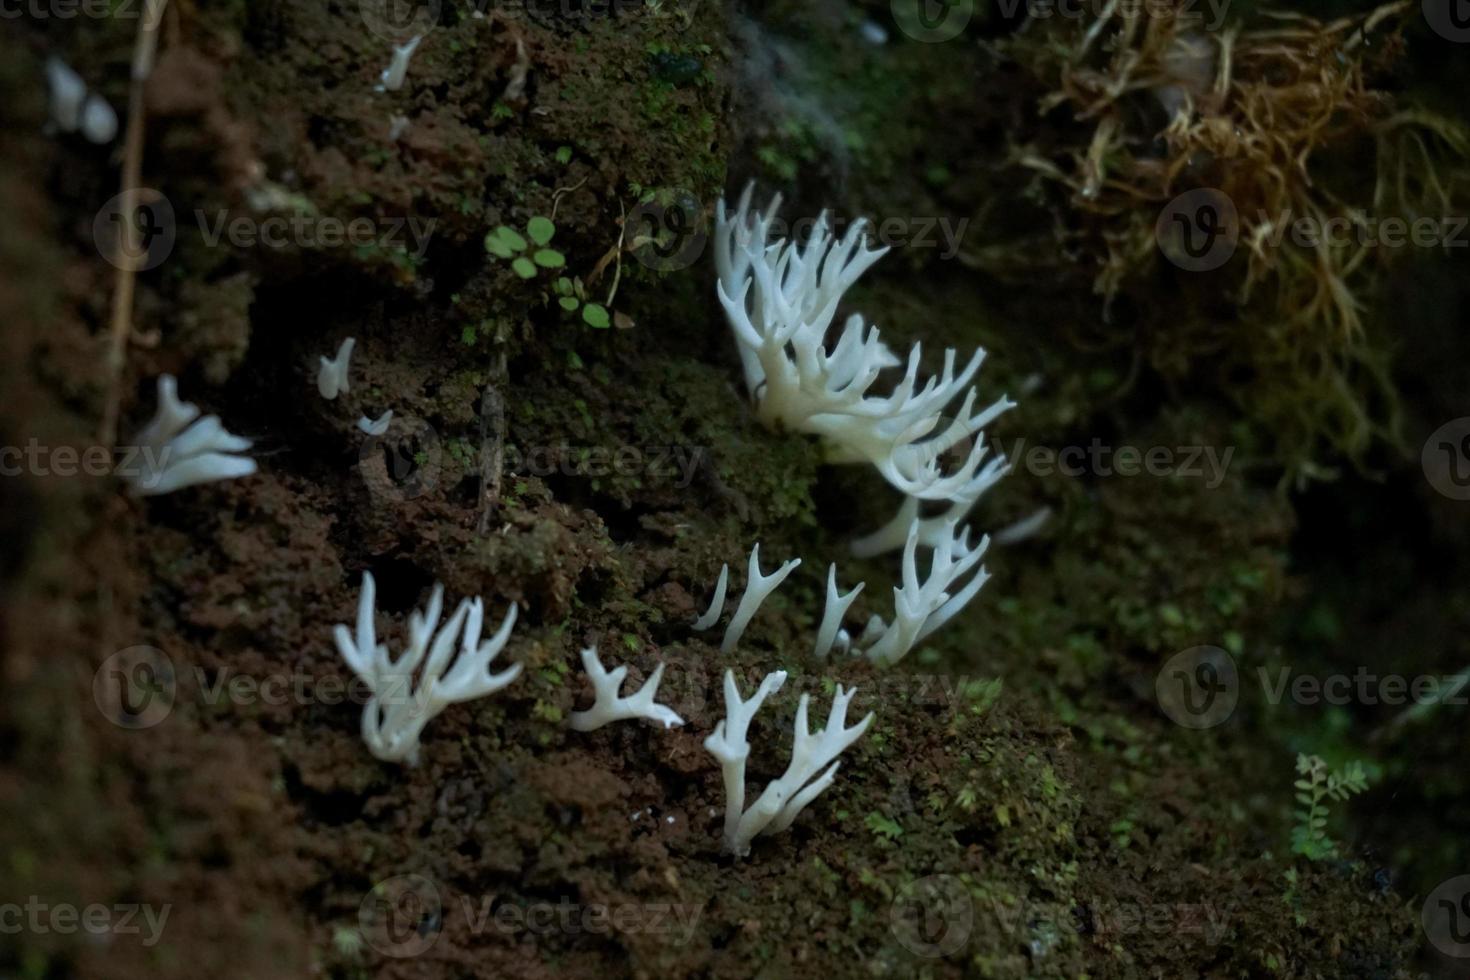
920, 609
780, 299
609, 707
172, 453
331, 377
831, 632
812, 769
399, 708
757, 588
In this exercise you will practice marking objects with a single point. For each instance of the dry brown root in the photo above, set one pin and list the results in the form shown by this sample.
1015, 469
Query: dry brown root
1266, 112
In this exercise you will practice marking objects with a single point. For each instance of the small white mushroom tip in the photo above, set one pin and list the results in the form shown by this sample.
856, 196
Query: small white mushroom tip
332, 376
375, 427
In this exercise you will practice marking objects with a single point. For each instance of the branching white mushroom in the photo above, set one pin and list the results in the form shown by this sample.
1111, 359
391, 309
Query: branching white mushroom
399, 708
812, 769
757, 588
172, 453
920, 609
727, 743
331, 377
831, 630
780, 299
609, 707
932, 530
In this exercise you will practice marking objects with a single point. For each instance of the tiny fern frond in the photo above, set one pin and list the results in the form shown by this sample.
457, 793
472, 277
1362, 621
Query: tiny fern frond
1314, 790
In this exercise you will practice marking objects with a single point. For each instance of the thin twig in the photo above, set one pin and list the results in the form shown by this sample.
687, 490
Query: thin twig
126, 258
492, 443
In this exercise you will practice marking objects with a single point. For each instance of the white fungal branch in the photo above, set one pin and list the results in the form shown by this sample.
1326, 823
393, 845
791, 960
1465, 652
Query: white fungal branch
171, 453
727, 743
331, 376
781, 298
921, 608
408, 692
397, 70
831, 630
813, 761
758, 588
717, 604
609, 707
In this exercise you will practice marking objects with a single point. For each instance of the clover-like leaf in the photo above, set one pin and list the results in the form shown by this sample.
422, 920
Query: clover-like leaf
569, 303
504, 242
549, 258
540, 229
596, 316
524, 268
497, 246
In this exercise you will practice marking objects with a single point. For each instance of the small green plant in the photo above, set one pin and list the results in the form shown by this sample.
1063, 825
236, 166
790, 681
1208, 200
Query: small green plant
1314, 790
571, 295
883, 826
507, 243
